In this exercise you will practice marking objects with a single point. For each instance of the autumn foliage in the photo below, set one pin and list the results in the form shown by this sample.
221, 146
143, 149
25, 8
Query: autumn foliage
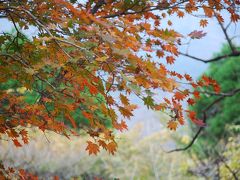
91, 57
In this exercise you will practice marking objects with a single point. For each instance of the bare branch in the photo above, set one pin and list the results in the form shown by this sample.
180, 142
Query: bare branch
98, 5
226, 34
218, 58
190, 144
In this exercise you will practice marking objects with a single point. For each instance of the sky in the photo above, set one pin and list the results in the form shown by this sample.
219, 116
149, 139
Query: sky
203, 48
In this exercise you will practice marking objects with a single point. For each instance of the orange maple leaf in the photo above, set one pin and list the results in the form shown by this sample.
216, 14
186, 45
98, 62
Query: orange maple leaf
124, 100
170, 59
16, 143
203, 22
188, 77
196, 94
179, 96
159, 53
190, 101
120, 126
93, 90
193, 118
112, 147
87, 115
208, 11
125, 112
180, 14
216, 88
172, 125
24, 135
92, 148
103, 144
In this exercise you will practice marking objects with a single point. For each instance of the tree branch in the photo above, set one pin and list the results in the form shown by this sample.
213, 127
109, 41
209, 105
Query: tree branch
226, 35
227, 94
218, 58
190, 144
231, 93
98, 5
144, 9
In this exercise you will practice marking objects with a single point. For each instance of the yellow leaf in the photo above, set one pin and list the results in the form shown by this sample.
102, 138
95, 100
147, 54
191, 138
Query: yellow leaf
102, 59
30, 71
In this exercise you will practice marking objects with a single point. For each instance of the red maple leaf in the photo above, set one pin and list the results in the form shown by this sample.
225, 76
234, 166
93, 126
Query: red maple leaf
92, 148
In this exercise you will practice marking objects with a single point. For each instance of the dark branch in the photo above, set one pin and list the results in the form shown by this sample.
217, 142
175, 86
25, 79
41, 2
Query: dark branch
190, 144
218, 58
229, 94
98, 5
143, 10
226, 35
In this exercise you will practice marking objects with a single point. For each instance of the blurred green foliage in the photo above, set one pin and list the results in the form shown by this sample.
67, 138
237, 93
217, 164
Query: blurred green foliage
224, 116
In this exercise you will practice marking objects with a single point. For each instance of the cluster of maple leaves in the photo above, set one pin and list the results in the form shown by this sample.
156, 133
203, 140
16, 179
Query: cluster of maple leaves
86, 56
11, 173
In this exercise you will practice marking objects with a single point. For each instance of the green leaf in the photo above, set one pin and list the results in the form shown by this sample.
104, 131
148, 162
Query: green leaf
148, 101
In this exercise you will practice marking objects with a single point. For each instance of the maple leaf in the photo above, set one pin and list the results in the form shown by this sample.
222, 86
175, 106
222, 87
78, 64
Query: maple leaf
216, 88
197, 34
22, 173
160, 54
173, 73
125, 112
196, 94
160, 107
220, 18
179, 96
92, 89
148, 101
203, 22
102, 143
166, 100
170, 59
112, 147
172, 125
171, 48
188, 77
181, 120
190, 101
87, 115
16, 143
120, 126
24, 134
192, 116
92, 148
180, 14
124, 99
198, 122
207, 80
235, 17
